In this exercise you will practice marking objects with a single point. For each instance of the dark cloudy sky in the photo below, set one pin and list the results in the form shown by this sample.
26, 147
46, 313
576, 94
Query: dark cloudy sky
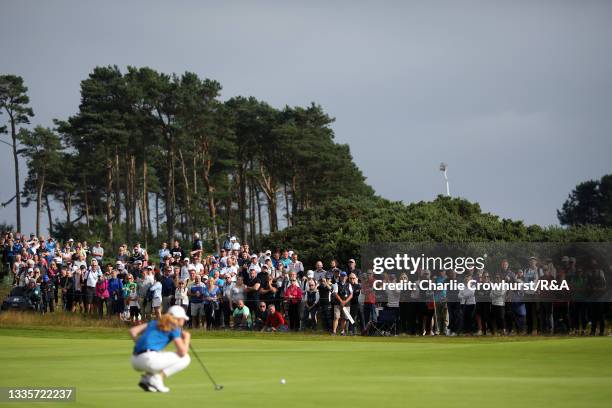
516, 96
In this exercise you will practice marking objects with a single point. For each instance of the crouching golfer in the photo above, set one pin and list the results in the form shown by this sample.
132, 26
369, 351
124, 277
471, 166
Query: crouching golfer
151, 338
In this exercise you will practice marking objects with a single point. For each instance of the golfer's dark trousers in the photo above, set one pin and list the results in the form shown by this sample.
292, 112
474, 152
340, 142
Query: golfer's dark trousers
294, 316
101, 304
355, 315
532, 316
224, 308
454, 316
484, 311
326, 316
497, 317
48, 304
579, 316
546, 317
597, 317
468, 318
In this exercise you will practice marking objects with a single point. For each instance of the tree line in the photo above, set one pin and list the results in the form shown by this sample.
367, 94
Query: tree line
150, 155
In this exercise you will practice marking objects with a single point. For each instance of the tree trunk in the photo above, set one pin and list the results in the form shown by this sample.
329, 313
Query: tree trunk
86, 200
117, 170
259, 223
287, 217
240, 179
186, 191
109, 201
269, 188
49, 214
16, 163
128, 204
157, 216
252, 213
39, 194
144, 223
294, 199
170, 195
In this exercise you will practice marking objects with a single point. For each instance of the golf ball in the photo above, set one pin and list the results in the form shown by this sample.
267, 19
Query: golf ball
283, 381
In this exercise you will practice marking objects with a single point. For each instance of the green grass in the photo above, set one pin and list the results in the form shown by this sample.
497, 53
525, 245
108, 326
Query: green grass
320, 371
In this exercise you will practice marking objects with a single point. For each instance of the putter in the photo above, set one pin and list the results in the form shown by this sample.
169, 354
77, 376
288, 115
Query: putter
218, 387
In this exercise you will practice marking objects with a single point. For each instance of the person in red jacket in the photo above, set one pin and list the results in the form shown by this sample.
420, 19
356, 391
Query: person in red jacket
293, 296
275, 321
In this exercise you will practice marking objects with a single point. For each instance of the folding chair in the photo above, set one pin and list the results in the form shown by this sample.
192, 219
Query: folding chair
385, 325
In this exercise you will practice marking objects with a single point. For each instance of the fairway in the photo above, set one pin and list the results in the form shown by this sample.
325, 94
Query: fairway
321, 371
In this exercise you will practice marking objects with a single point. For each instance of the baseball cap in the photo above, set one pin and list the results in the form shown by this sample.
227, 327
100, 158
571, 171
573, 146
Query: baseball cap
565, 259
310, 274
253, 256
233, 239
185, 259
45, 278
351, 260
342, 273
268, 252
178, 312
214, 261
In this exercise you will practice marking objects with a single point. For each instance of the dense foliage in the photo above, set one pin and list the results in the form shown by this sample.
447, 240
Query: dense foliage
339, 228
589, 203
151, 156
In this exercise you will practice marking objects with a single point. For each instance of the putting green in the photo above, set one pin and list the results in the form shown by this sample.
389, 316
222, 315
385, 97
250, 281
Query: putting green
320, 371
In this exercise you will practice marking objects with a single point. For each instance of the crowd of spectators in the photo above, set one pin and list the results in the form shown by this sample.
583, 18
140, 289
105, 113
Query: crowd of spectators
243, 289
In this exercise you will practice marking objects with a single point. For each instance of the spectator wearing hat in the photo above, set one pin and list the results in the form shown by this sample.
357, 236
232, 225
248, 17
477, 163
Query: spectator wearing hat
196, 301
252, 285
210, 296
91, 278
311, 304
467, 300
168, 289
267, 289
156, 295
531, 275
324, 288
47, 297
181, 296
334, 272
354, 308
115, 290
342, 293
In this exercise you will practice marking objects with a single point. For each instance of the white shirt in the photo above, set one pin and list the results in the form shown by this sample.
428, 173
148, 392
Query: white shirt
180, 295
92, 277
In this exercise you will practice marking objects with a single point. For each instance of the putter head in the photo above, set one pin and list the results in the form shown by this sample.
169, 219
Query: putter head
218, 387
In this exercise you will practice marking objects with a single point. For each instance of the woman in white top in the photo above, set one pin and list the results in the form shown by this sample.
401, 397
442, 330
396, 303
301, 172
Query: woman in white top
498, 302
180, 295
156, 288
236, 292
468, 305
